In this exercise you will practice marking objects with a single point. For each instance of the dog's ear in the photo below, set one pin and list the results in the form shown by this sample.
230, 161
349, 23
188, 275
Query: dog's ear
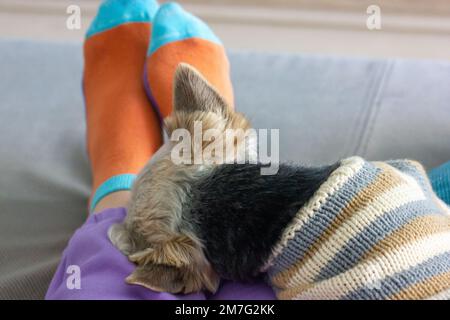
192, 92
159, 278
120, 238
177, 266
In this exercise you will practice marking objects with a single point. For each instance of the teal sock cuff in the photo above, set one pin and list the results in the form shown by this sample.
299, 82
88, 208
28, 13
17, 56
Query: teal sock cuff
116, 183
113, 13
172, 23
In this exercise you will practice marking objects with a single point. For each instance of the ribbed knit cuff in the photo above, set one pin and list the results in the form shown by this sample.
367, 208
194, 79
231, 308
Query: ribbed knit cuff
116, 183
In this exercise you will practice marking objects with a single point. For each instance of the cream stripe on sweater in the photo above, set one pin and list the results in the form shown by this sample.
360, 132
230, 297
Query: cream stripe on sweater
379, 268
390, 199
360, 254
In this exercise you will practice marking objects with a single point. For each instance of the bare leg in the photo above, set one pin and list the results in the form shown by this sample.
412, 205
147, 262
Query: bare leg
113, 200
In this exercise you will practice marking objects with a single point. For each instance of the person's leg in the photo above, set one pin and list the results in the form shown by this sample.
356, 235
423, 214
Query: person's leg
91, 267
123, 132
117, 199
122, 129
178, 36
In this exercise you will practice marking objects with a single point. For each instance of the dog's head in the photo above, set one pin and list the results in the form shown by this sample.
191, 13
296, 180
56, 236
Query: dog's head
158, 234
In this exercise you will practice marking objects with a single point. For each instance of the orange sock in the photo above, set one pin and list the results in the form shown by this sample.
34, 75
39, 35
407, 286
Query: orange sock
177, 37
122, 129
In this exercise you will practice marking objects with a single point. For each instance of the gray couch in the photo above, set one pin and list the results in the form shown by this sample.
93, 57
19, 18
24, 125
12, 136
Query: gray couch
325, 107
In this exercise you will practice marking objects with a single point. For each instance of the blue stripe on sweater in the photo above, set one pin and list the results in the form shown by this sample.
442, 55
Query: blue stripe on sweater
411, 170
383, 226
400, 281
322, 219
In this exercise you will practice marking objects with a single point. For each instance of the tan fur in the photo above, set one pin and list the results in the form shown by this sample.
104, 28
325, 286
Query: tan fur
155, 235
197, 100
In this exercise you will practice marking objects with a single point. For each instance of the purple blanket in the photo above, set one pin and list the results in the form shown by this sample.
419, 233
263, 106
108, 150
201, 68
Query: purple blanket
92, 268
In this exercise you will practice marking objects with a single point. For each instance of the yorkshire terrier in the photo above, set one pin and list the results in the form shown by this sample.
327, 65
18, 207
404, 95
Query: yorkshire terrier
336, 231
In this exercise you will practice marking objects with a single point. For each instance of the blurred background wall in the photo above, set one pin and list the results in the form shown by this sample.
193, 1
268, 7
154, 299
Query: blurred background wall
409, 28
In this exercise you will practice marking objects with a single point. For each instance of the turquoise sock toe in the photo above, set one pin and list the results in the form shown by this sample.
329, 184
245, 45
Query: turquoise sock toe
116, 12
171, 23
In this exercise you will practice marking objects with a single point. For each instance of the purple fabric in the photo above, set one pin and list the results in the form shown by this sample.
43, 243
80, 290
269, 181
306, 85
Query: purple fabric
103, 269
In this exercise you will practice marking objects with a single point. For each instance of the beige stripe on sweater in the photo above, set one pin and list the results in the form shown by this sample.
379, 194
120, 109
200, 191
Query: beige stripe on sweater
420, 227
378, 268
306, 270
425, 288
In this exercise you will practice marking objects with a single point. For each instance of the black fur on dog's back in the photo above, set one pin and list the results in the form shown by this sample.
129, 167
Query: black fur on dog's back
240, 214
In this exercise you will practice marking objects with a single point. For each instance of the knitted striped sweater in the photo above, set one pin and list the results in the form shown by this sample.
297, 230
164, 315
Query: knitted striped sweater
373, 230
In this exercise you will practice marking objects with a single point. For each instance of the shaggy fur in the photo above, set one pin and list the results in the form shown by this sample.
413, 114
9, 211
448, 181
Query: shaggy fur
156, 234
186, 223
240, 214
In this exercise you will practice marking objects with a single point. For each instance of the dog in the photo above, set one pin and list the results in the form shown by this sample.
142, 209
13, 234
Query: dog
350, 230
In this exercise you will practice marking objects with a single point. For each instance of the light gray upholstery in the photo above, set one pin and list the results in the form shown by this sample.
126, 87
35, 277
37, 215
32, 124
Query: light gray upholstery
325, 107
